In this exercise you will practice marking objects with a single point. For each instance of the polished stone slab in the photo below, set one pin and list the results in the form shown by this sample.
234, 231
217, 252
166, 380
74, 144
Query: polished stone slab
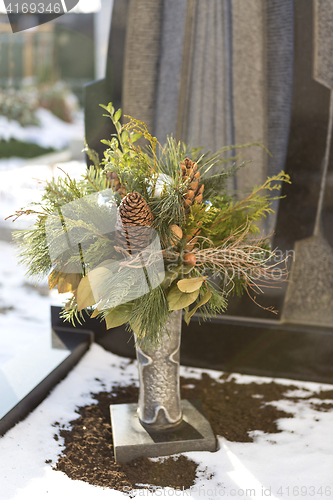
131, 440
267, 348
27, 376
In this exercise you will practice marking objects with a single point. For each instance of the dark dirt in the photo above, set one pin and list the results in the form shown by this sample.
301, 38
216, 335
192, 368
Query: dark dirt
234, 410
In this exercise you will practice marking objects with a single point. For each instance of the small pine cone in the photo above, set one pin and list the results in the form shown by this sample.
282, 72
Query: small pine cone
115, 184
134, 221
190, 174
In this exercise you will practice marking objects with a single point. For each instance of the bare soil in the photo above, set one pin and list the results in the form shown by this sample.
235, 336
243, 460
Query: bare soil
234, 410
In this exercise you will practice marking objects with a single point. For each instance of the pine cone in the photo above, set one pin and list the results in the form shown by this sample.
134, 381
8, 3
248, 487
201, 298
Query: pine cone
115, 184
192, 195
134, 221
190, 174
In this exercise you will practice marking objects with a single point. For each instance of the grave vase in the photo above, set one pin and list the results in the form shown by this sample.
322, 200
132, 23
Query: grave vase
159, 406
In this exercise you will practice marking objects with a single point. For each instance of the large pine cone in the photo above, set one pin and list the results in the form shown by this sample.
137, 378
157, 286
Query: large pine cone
190, 174
134, 222
115, 184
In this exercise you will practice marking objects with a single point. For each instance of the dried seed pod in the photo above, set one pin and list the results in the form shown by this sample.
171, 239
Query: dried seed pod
189, 258
177, 234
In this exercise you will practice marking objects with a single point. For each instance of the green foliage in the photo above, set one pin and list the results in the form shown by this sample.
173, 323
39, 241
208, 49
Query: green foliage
217, 304
149, 314
221, 223
92, 155
21, 149
71, 314
34, 251
60, 191
225, 216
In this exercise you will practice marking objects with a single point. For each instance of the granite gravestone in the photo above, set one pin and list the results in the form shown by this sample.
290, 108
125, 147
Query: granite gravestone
217, 72
309, 297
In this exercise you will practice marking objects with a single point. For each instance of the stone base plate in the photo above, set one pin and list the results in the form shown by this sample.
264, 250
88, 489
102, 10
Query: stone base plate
131, 440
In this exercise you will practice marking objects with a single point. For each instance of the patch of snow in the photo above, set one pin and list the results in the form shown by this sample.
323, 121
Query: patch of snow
52, 132
298, 456
20, 185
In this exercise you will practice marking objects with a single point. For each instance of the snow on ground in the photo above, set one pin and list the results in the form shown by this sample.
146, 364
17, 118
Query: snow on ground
52, 132
24, 303
23, 183
295, 463
273, 466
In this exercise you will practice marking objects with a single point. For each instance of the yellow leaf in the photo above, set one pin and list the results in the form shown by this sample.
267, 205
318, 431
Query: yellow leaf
178, 300
84, 295
87, 292
95, 313
74, 279
63, 285
53, 279
98, 309
190, 285
189, 314
68, 282
96, 276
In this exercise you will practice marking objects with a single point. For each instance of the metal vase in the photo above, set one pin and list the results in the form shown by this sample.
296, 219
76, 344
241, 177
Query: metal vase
159, 392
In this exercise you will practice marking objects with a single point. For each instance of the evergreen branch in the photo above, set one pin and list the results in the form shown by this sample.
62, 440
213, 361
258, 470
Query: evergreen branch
89, 179
267, 185
92, 154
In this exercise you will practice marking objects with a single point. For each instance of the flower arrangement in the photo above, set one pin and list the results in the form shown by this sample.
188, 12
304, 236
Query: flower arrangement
150, 230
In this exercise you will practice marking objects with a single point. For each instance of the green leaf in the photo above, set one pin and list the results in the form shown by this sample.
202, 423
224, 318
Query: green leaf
117, 316
181, 270
169, 277
136, 137
124, 136
204, 300
178, 300
190, 284
117, 115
